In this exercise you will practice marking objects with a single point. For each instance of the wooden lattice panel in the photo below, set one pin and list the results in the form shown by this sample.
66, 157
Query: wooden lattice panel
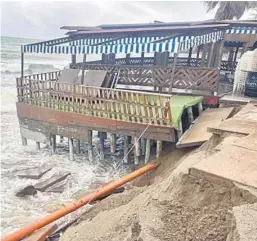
196, 79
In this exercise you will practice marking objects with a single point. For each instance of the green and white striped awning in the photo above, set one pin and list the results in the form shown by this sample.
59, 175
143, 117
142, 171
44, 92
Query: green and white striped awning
123, 45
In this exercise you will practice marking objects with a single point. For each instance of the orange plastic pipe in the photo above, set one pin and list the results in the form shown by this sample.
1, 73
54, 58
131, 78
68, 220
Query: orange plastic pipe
18, 235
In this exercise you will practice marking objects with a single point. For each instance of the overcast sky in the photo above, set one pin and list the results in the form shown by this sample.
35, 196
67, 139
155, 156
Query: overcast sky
42, 20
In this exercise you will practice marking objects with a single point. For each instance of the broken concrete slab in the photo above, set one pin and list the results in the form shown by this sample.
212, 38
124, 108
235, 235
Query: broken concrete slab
33, 173
42, 234
42, 186
57, 188
27, 191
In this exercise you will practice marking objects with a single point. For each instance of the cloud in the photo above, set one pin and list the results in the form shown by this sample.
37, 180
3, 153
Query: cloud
44, 19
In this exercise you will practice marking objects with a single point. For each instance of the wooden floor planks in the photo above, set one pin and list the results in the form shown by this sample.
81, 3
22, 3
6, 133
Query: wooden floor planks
198, 134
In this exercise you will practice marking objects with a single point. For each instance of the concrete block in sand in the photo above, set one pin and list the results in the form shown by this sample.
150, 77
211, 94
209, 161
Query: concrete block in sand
27, 191
42, 186
57, 188
33, 173
42, 234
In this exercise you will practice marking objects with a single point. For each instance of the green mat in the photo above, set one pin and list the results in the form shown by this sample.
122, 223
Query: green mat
179, 103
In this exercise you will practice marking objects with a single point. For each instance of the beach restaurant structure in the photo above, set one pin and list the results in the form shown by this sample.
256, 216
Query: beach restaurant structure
150, 81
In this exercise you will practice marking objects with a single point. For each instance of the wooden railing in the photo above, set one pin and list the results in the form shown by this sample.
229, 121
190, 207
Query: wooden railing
184, 77
45, 76
150, 61
130, 106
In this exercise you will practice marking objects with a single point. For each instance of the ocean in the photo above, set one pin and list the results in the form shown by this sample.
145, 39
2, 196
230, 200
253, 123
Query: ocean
17, 212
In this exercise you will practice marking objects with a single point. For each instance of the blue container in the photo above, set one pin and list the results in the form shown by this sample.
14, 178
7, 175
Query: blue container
251, 84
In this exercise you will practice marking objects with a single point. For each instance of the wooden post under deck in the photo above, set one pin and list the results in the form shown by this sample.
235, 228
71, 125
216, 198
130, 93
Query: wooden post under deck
137, 150
24, 141
113, 143
147, 150
77, 146
200, 108
190, 114
61, 139
143, 146
90, 146
37, 145
53, 143
126, 148
158, 148
71, 149
101, 136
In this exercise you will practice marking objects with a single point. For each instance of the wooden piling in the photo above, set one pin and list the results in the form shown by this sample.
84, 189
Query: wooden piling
53, 143
126, 149
24, 141
137, 150
158, 148
147, 150
37, 145
143, 146
102, 137
190, 114
61, 139
71, 149
77, 146
113, 143
180, 129
200, 108
90, 146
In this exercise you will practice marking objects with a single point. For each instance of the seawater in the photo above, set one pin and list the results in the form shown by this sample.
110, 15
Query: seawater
17, 212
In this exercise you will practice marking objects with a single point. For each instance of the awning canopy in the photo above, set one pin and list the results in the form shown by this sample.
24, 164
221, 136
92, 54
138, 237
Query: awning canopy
122, 45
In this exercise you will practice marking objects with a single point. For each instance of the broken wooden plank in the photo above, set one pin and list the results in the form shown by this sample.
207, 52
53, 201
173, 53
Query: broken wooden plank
42, 186
42, 234
197, 134
248, 112
234, 164
33, 173
248, 142
234, 125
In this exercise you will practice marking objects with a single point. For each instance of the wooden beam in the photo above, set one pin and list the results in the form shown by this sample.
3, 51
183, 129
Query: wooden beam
137, 150
173, 71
